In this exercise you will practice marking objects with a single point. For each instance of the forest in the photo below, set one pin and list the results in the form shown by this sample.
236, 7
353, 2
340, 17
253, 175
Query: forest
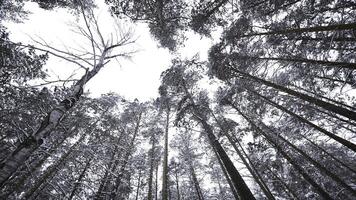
269, 114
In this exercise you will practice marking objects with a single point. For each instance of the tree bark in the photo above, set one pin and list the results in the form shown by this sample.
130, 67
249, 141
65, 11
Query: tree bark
51, 121
345, 65
336, 27
305, 175
342, 141
326, 105
165, 159
80, 178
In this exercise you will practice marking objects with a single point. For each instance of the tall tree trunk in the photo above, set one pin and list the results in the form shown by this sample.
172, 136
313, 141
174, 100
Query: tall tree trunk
240, 185
252, 171
305, 175
336, 27
344, 142
232, 188
138, 185
150, 178
52, 170
345, 65
196, 183
177, 185
242, 188
50, 122
17, 184
323, 169
104, 180
323, 104
289, 191
165, 159
80, 178
156, 181
116, 193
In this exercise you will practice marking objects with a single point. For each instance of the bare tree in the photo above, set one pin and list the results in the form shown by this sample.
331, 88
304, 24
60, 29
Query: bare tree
102, 50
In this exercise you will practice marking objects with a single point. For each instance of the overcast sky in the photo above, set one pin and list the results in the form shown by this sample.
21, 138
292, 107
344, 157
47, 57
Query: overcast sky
135, 78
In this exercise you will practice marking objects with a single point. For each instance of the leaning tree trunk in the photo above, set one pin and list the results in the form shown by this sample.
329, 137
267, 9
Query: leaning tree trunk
232, 188
80, 178
196, 183
320, 167
116, 193
240, 185
52, 169
252, 171
345, 65
323, 104
50, 122
342, 141
242, 188
336, 27
296, 166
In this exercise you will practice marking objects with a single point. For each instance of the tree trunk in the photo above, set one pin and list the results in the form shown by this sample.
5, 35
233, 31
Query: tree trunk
345, 65
242, 189
323, 169
196, 183
252, 171
342, 141
103, 182
232, 188
305, 175
336, 27
165, 159
118, 181
51, 170
80, 178
177, 185
326, 105
150, 178
287, 190
50, 122
138, 185
240, 185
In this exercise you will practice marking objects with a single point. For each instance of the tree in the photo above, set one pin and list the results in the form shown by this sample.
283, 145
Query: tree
53, 118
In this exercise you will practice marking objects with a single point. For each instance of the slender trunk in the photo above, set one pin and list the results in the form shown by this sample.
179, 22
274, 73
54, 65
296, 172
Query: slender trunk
232, 188
345, 65
252, 171
50, 122
80, 178
156, 181
287, 189
165, 159
323, 97
240, 185
196, 183
300, 169
323, 169
342, 141
327, 153
150, 178
326, 105
52, 170
118, 180
138, 185
103, 182
242, 188
19, 183
336, 27
177, 185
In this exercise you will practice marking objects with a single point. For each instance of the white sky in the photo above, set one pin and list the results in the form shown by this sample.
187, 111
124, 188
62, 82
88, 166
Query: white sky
135, 78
